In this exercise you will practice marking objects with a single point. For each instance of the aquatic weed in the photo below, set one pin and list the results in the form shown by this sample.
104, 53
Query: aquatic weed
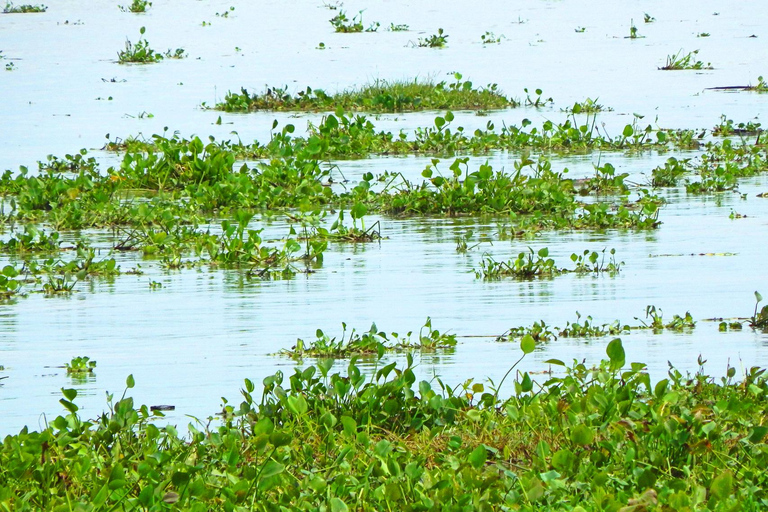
679, 61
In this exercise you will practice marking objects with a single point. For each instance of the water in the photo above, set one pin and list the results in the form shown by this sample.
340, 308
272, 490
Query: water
195, 339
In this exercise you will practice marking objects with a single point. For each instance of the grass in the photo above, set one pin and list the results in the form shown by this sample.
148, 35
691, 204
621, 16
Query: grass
601, 437
380, 96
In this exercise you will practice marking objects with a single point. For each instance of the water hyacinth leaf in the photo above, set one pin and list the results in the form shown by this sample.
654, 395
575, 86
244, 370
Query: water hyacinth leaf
358, 210
758, 433
338, 506
478, 457
616, 354
130, 382
582, 435
527, 344
555, 362
69, 394
271, 469
722, 486
758, 296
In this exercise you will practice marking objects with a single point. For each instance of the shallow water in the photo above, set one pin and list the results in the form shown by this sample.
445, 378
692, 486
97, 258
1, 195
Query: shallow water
195, 339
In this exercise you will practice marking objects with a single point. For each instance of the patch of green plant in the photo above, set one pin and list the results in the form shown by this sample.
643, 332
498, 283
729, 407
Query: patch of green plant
759, 319
680, 61
538, 101
727, 127
373, 343
10, 283
670, 173
655, 320
439, 40
10, 66
136, 6
225, 14
633, 33
703, 34
530, 265
647, 18
590, 437
398, 27
491, 38
142, 53
80, 365
380, 96
341, 23
588, 106
31, 240
25, 8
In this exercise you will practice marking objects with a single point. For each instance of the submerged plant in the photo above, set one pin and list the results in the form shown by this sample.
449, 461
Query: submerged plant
679, 61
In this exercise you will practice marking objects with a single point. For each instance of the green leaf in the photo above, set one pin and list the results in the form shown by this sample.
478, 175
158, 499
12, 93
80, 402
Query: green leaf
358, 210
272, 468
628, 131
758, 433
69, 394
130, 382
758, 296
555, 362
722, 486
582, 435
338, 506
527, 344
615, 352
478, 456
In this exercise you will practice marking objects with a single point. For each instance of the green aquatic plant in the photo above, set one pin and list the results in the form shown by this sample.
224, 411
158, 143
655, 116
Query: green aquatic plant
25, 8
80, 365
136, 6
655, 320
727, 127
670, 173
341, 23
142, 53
10, 282
529, 265
647, 18
439, 40
588, 106
491, 38
680, 61
759, 320
538, 101
593, 262
380, 96
589, 437
398, 27
633, 34
372, 343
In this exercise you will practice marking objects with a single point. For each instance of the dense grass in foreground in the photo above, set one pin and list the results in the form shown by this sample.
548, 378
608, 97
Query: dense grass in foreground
380, 96
599, 438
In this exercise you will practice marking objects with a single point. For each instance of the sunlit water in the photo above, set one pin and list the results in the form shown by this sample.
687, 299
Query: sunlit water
195, 339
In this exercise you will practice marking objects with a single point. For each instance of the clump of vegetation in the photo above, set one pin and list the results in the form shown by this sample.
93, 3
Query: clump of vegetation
647, 18
401, 27
136, 6
491, 38
680, 61
529, 265
759, 319
670, 173
371, 343
380, 96
341, 23
633, 34
25, 8
588, 106
655, 320
439, 40
762, 85
80, 365
347, 440
728, 127
142, 53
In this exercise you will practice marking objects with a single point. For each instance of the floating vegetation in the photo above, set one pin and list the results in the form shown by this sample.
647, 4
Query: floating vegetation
680, 61
371, 343
491, 38
759, 319
655, 320
530, 265
380, 96
80, 365
142, 53
24, 8
341, 23
136, 6
647, 18
340, 440
402, 27
588, 106
633, 34
728, 127
439, 40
